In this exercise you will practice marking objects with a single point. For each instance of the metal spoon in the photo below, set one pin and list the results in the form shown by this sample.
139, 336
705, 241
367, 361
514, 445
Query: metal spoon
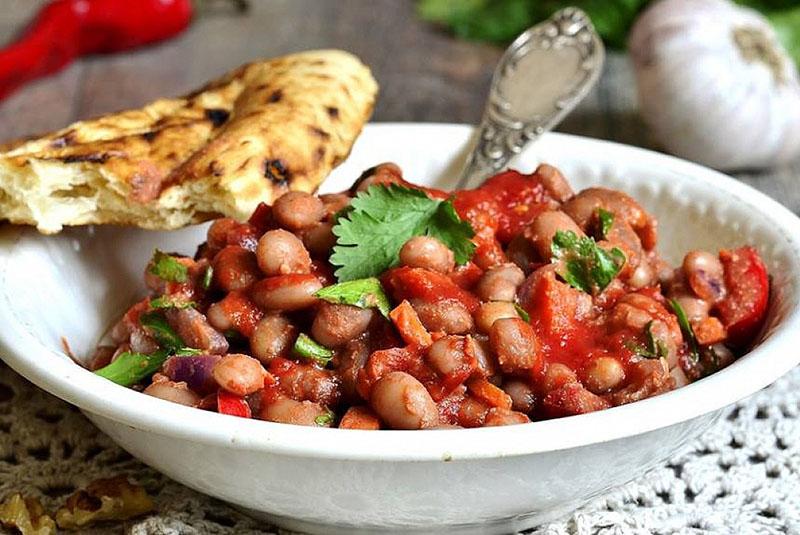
541, 77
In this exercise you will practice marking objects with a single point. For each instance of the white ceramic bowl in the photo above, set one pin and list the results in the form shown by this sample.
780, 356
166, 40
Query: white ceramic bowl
328, 480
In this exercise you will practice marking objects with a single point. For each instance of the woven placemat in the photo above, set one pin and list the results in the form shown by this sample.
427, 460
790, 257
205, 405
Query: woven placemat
742, 477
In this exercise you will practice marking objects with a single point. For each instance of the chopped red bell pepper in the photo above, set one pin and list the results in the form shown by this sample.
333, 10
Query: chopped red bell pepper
744, 308
232, 404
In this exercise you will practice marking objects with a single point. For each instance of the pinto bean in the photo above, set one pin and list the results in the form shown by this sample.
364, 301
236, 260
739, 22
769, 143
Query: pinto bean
583, 207
492, 311
447, 355
273, 337
696, 309
554, 182
643, 275
385, 173
174, 392
705, 275
427, 252
290, 411
235, 268
515, 344
500, 283
239, 374
219, 318
572, 398
297, 210
521, 393
448, 316
477, 347
557, 375
141, 342
647, 378
541, 230
360, 418
352, 359
306, 382
280, 253
195, 331
403, 402
334, 202
497, 416
335, 325
319, 239
217, 236
286, 292
603, 374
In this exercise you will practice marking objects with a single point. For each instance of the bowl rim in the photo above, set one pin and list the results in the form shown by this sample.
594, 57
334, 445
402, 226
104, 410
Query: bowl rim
61, 377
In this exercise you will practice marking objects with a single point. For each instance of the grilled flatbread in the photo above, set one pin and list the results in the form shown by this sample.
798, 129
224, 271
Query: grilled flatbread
250, 136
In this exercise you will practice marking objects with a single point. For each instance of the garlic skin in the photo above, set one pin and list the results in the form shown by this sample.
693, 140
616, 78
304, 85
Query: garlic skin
715, 85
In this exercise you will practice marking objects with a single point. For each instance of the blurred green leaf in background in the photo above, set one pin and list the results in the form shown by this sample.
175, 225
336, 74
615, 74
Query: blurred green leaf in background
500, 21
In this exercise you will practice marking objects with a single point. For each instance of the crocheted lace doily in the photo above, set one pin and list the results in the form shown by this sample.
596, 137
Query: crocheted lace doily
742, 477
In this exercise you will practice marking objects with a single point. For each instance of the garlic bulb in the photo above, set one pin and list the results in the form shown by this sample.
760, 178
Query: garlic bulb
715, 85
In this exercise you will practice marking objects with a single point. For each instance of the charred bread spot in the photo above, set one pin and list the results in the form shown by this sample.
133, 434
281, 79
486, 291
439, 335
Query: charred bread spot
97, 157
63, 141
333, 112
150, 136
319, 132
276, 171
243, 164
217, 116
215, 168
275, 96
319, 154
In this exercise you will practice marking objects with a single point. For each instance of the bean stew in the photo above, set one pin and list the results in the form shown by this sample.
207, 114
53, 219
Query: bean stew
391, 306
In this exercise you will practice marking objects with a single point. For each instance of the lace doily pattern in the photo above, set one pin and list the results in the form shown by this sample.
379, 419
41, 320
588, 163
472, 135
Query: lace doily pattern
742, 477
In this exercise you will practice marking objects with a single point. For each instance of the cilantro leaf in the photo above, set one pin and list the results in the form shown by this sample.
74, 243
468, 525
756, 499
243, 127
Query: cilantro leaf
655, 348
324, 420
585, 266
166, 337
363, 293
129, 368
606, 222
522, 313
306, 347
166, 301
167, 268
382, 219
686, 329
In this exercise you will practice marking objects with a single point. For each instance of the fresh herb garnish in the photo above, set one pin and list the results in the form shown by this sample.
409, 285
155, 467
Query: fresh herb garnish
606, 222
362, 293
586, 266
522, 313
129, 368
324, 420
383, 218
654, 348
167, 301
208, 275
686, 329
158, 327
307, 348
167, 268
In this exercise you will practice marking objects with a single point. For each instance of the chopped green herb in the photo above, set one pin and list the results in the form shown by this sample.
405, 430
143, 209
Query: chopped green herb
324, 420
606, 222
654, 348
686, 329
382, 219
586, 266
158, 327
207, 277
363, 293
522, 313
167, 268
307, 348
130, 368
166, 301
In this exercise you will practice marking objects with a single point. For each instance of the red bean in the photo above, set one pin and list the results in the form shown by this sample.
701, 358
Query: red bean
500, 283
273, 337
427, 252
448, 316
522, 396
174, 392
239, 374
289, 411
235, 268
603, 374
297, 210
335, 325
286, 292
515, 344
281, 253
403, 402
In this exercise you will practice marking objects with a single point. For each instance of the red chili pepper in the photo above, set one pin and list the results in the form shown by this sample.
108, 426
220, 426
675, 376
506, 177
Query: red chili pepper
66, 29
232, 404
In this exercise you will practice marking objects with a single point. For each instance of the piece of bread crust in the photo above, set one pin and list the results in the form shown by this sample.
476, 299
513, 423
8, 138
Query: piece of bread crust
250, 136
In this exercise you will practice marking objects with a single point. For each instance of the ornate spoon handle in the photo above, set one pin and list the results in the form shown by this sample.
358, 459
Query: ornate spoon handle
541, 77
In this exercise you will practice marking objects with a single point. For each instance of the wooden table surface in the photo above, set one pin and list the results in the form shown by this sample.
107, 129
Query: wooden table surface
424, 74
